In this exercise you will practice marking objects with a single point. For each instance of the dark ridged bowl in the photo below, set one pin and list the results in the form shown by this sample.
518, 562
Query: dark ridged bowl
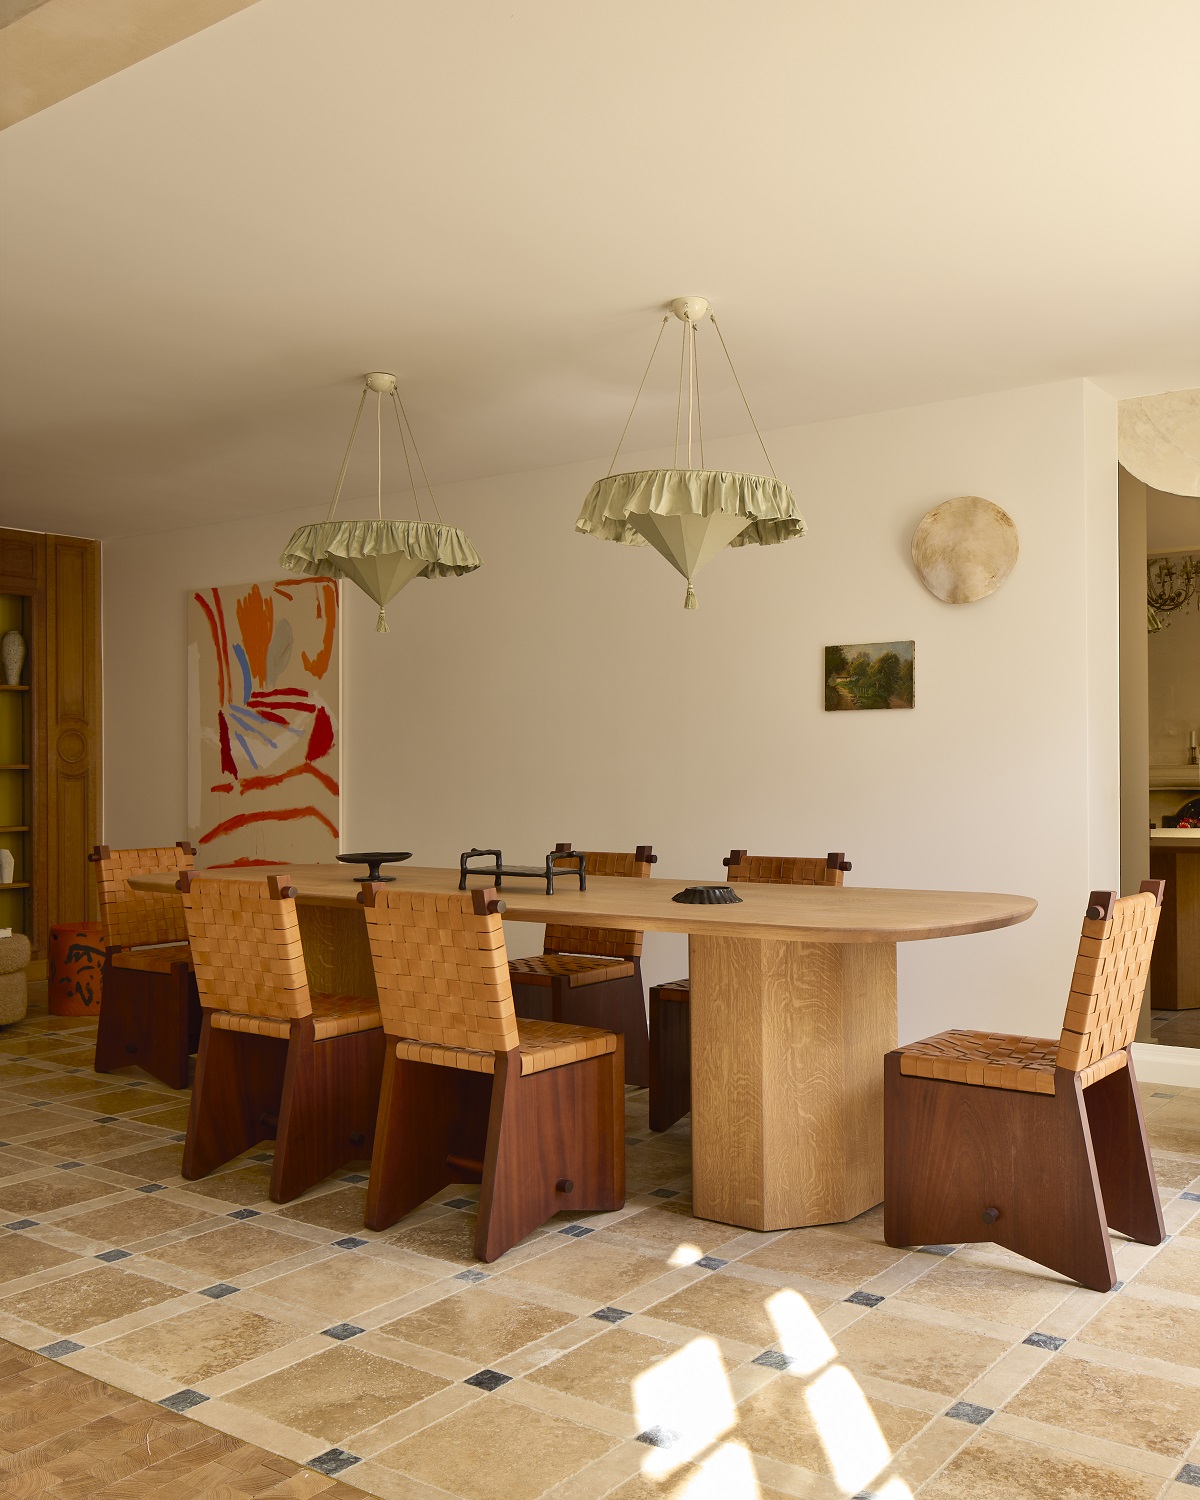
707, 895
373, 862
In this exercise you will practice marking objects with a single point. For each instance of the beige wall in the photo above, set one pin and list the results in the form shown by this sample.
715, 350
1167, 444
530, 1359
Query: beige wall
562, 691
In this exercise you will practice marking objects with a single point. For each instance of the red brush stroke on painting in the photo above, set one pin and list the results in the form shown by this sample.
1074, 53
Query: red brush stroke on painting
300, 708
222, 786
228, 764
318, 665
224, 639
320, 741
267, 815
260, 694
256, 621
212, 625
265, 713
260, 783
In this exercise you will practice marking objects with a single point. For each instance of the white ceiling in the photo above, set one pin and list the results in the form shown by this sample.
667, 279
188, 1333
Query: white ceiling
888, 204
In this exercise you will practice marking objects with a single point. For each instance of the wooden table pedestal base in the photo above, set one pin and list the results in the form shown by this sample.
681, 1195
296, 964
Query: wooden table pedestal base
788, 1041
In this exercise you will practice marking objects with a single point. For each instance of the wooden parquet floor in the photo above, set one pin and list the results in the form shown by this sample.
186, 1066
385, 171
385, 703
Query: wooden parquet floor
66, 1436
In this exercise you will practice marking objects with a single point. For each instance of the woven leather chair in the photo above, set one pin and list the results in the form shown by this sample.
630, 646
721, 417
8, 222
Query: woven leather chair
533, 1110
670, 1015
1028, 1142
149, 1013
275, 1061
592, 976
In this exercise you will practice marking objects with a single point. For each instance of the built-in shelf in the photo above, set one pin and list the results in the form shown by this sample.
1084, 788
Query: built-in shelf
14, 827
13, 766
15, 885
14, 687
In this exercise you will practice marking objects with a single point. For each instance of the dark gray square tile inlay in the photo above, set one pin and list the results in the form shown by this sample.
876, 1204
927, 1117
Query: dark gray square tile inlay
333, 1461
487, 1380
611, 1314
183, 1401
966, 1411
342, 1331
57, 1350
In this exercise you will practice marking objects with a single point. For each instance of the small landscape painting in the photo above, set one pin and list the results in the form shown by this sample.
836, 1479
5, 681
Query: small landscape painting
264, 701
879, 675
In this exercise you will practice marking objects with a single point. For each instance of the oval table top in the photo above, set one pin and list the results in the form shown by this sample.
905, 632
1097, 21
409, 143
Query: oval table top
796, 913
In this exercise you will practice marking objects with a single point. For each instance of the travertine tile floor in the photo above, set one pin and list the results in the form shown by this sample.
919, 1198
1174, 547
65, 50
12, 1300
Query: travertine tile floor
643, 1355
68, 1436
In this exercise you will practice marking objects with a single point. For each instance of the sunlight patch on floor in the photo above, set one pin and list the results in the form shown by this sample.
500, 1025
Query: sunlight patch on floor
687, 1395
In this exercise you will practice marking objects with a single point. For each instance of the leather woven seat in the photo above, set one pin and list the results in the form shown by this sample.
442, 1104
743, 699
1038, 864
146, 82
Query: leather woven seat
154, 960
332, 1015
1030, 1142
592, 976
540, 1045
575, 968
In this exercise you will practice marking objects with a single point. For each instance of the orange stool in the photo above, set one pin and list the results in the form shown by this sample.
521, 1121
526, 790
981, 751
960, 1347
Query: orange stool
76, 960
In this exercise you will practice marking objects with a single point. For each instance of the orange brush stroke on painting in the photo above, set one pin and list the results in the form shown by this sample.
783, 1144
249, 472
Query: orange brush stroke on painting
258, 783
318, 665
268, 815
256, 620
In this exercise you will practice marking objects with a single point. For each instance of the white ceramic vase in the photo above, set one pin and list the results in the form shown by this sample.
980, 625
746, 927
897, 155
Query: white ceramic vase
12, 656
6, 867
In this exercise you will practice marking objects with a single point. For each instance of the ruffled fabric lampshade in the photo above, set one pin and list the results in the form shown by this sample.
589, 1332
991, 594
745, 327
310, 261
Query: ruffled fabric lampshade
381, 557
689, 515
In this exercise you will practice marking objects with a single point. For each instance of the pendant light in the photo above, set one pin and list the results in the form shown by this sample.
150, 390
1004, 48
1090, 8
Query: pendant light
688, 514
381, 556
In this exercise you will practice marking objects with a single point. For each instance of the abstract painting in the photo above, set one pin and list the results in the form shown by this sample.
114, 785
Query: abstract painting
879, 675
264, 701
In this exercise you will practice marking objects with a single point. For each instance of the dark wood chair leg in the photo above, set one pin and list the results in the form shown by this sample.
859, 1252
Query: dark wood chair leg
670, 1057
556, 1140
432, 1122
618, 1005
148, 1019
956, 1153
328, 1107
235, 1097
1123, 1162
114, 1022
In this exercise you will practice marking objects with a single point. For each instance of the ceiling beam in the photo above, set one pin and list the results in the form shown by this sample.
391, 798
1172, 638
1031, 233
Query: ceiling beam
52, 49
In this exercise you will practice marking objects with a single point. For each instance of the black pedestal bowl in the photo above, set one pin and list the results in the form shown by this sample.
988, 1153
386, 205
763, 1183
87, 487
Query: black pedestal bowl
373, 862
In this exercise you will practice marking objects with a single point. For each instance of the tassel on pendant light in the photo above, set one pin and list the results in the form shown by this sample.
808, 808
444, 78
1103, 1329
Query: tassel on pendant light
380, 556
689, 515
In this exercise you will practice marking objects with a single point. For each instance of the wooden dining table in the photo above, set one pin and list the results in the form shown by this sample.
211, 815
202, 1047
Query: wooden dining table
793, 1005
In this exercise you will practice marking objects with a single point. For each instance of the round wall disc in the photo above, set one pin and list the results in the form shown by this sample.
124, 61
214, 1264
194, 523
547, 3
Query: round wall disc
964, 549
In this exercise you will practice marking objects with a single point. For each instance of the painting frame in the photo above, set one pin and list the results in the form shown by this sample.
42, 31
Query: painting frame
870, 676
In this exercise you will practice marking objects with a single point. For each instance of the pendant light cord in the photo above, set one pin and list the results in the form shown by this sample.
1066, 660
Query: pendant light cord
699, 414
408, 461
742, 393
638, 397
679, 397
400, 412
341, 479
379, 450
